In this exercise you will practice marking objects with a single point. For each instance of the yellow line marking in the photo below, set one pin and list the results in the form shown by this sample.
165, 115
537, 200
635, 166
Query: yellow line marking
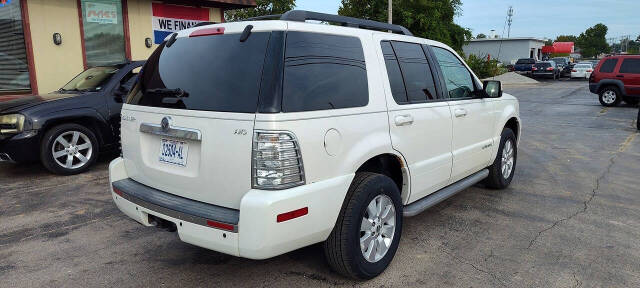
604, 110
627, 142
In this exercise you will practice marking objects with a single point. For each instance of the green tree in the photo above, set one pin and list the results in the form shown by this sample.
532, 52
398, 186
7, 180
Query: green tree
593, 41
432, 19
481, 36
566, 38
263, 7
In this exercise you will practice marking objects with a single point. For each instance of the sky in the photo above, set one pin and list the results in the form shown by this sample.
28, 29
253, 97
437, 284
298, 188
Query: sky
540, 18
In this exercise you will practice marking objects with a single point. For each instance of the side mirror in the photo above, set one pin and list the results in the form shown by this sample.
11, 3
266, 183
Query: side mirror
492, 88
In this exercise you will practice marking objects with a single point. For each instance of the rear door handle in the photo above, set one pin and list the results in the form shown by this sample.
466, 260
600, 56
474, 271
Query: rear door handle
460, 112
620, 76
404, 120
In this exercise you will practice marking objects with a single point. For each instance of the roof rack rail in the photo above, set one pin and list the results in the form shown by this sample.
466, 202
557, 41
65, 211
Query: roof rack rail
302, 16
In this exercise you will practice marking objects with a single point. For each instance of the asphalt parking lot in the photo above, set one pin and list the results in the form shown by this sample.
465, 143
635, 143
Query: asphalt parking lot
571, 218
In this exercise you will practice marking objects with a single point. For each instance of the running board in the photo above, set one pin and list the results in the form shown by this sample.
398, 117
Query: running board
432, 199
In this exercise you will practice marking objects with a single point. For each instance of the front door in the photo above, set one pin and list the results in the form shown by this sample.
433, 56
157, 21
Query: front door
630, 72
419, 119
472, 118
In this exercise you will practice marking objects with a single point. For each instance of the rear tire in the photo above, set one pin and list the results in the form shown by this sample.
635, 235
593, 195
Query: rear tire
503, 168
69, 141
609, 96
360, 222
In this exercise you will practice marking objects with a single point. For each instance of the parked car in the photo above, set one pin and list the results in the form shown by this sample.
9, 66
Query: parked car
581, 71
564, 65
546, 69
524, 65
319, 133
67, 129
617, 78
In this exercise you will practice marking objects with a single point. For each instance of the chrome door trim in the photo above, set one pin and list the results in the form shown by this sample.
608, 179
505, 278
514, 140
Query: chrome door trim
173, 132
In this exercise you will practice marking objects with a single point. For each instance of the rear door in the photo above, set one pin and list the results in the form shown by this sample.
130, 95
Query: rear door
630, 72
188, 124
419, 117
472, 118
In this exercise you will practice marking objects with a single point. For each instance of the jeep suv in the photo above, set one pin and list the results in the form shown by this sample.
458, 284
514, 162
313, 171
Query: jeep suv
617, 78
259, 137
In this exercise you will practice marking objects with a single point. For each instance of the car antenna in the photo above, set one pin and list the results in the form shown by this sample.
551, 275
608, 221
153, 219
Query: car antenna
246, 33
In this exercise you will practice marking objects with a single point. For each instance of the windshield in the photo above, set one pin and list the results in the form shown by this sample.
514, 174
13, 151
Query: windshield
92, 79
526, 61
210, 73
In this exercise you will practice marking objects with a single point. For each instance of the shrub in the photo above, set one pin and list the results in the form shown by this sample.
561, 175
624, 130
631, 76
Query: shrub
485, 68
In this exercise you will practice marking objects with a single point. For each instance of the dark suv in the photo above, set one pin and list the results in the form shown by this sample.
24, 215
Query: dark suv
617, 78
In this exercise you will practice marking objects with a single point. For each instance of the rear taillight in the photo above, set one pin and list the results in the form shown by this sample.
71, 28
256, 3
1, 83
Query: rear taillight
534, 68
550, 69
277, 161
589, 70
574, 70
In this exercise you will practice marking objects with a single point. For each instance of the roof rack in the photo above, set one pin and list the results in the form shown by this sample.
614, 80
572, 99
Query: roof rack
302, 16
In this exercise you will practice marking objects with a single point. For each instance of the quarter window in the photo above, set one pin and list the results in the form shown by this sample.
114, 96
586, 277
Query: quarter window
608, 65
630, 65
456, 75
323, 72
409, 73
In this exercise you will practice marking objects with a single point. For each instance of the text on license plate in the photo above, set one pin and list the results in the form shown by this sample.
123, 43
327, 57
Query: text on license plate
173, 152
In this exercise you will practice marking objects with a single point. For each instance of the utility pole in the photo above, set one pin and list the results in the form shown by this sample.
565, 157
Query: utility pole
390, 11
509, 20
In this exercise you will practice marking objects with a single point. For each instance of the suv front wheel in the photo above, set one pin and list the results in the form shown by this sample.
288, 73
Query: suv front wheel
610, 96
69, 149
367, 233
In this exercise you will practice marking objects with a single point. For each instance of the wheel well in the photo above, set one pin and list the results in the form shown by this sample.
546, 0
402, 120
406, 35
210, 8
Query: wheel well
385, 164
513, 125
605, 86
87, 122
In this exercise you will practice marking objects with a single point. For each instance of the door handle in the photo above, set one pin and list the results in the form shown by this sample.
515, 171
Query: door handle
460, 112
620, 76
403, 120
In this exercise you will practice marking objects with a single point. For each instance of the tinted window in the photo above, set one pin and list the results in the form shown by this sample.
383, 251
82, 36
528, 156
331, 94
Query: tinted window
608, 65
395, 76
630, 65
458, 78
218, 73
543, 65
323, 72
418, 79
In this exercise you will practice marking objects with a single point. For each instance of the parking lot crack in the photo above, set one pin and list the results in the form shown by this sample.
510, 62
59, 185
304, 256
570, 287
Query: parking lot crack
474, 266
585, 204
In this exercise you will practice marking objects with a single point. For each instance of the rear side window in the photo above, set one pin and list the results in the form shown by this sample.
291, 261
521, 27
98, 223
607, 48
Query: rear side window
216, 73
630, 65
608, 66
323, 72
457, 76
409, 72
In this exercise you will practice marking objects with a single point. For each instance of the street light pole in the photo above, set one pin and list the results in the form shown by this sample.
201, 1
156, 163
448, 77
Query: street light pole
390, 11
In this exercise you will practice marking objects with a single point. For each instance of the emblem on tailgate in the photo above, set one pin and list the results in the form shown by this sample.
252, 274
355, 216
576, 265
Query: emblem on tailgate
165, 124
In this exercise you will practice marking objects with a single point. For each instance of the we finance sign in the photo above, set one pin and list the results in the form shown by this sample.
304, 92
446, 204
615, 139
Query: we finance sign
172, 18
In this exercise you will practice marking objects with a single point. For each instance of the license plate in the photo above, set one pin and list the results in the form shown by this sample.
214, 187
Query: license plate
173, 152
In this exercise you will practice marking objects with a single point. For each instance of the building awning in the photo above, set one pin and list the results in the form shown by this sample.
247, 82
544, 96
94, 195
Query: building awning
226, 4
548, 49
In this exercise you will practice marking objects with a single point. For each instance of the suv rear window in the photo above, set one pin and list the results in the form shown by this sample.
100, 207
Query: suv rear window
217, 73
608, 65
630, 65
526, 61
323, 72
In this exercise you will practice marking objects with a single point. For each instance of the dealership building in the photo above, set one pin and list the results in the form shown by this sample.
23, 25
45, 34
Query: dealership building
45, 43
506, 50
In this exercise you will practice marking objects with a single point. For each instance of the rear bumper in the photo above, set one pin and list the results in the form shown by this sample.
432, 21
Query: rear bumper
23, 147
256, 233
593, 87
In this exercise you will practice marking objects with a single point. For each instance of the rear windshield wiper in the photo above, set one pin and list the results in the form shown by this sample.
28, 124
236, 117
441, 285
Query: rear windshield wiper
169, 96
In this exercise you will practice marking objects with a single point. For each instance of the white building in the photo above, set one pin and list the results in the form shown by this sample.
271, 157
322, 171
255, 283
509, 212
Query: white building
506, 50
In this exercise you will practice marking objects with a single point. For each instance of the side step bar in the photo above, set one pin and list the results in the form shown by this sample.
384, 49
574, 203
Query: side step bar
431, 200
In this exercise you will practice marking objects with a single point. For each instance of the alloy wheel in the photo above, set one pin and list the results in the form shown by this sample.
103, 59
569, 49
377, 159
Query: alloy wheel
609, 97
377, 228
72, 150
507, 159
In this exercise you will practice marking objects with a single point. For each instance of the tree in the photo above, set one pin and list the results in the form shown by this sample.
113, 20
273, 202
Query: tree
593, 41
431, 19
263, 7
567, 38
481, 36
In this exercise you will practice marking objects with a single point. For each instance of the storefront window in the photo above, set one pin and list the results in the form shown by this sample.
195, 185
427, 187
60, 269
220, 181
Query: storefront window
14, 71
103, 32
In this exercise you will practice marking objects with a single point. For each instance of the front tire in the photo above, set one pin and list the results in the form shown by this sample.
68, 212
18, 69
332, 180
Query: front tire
610, 96
502, 170
367, 232
69, 149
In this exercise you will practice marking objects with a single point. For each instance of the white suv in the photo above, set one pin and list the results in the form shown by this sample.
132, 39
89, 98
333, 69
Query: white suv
260, 137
